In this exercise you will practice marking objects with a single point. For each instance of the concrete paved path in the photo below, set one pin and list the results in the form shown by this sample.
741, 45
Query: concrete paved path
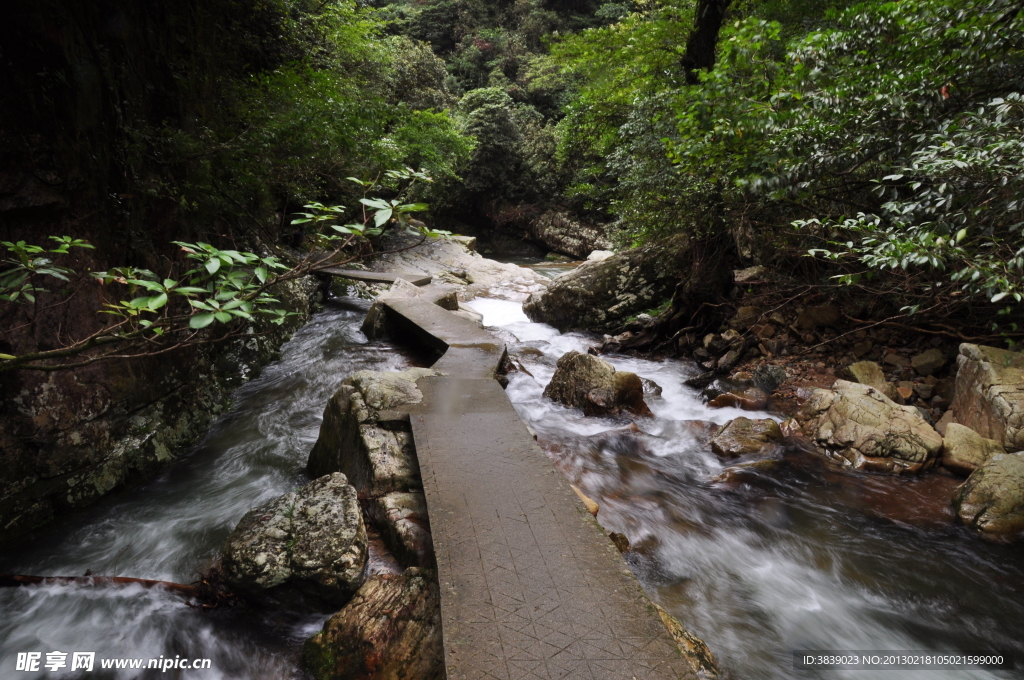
530, 585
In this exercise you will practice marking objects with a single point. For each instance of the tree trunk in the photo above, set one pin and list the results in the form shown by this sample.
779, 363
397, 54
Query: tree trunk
700, 48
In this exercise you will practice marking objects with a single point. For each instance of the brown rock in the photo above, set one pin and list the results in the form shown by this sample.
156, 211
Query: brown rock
391, 630
905, 393
691, 647
870, 373
989, 395
928, 362
745, 318
588, 382
750, 399
896, 360
857, 426
743, 436
821, 315
964, 450
991, 501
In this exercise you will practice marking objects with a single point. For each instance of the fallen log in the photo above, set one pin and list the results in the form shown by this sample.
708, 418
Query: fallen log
207, 593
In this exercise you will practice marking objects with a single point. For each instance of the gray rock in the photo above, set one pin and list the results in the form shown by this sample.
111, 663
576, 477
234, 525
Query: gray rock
376, 459
601, 296
870, 373
928, 362
861, 348
896, 360
401, 519
857, 426
769, 377
964, 450
308, 546
991, 501
743, 436
587, 382
989, 393
391, 630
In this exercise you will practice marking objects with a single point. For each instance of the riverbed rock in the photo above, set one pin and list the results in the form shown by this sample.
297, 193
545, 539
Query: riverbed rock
857, 426
588, 382
391, 630
308, 546
401, 519
377, 457
602, 295
815, 316
745, 318
928, 362
964, 450
989, 393
991, 501
743, 436
870, 373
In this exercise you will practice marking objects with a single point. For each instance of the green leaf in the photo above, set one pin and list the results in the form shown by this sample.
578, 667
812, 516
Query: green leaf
382, 216
201, 320
261, 274
212, 265
223, 317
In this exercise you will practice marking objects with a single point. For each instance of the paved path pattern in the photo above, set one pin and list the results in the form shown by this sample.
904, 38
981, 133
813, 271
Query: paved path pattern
530, 585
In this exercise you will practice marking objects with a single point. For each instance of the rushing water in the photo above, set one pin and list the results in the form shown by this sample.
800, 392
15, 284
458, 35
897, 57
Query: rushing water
762, 562
756, 561
170, 527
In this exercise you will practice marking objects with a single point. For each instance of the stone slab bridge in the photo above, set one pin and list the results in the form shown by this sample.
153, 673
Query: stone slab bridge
531, 587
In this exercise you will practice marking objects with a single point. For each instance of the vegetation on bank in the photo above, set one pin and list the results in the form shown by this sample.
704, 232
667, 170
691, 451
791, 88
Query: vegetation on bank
881, 138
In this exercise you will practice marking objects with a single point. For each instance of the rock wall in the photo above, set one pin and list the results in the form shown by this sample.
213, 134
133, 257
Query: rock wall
69, 437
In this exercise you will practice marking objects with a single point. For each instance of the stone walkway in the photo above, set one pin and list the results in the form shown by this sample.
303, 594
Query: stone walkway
531, 587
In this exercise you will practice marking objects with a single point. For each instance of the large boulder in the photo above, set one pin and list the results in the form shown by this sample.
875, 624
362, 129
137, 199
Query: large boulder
964, 450
602, 295
989, 394
306, 547
991, 501
743, 436
376, 455
391, 630
401, 518
857, 426
587, 382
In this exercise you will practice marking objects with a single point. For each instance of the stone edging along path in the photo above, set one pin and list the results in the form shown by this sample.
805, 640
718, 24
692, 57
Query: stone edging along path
531, 587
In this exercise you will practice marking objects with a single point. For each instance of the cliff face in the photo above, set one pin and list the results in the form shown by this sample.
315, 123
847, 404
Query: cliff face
86, 85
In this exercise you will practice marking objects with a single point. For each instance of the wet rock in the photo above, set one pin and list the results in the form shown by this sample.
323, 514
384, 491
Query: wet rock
870, 373
745, 318
308, 546
857, 426
390, 630
749, 399
587, 382
728, 360
693, 649
991, 501
620, 541
989, 395
928, 362
401, 519
815, 316
376, 457
601, 296
470, 314
600, 255
743, 436
964, 450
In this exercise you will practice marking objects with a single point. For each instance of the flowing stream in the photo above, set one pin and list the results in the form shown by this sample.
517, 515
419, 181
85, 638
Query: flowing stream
760, 562
756, 561
169, 528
